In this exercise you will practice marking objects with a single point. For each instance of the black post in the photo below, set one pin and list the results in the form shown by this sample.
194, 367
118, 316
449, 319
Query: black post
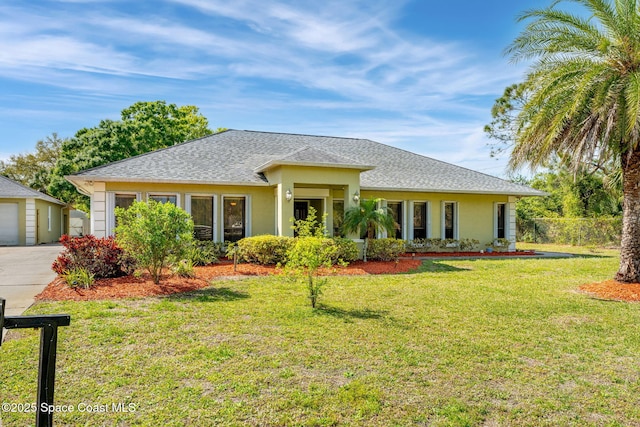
47, 365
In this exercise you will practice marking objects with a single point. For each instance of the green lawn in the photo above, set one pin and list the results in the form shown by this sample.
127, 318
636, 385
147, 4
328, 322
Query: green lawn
505, 342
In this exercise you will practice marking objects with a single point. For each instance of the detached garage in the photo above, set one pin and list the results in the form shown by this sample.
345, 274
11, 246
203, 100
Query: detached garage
29, 217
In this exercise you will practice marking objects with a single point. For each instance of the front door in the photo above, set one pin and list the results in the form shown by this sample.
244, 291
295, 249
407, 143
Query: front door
300, 210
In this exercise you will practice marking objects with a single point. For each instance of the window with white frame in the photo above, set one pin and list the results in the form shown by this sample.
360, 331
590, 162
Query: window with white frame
500, 221
118, 200
420, 220
395, 208
338, 217
202, 210
234, 217
449, 220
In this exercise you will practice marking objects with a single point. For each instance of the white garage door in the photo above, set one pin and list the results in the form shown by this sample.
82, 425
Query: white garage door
8, 223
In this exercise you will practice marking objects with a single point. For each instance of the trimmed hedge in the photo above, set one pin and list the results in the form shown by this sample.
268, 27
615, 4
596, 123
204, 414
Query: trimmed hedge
268, 249
387, 249
265, 249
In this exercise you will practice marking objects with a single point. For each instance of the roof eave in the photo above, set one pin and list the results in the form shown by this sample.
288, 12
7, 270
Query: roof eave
453, 191
85, 183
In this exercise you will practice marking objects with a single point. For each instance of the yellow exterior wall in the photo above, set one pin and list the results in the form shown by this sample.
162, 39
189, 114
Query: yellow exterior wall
475, 211
270, 212
44, 235
40, 229
262, 200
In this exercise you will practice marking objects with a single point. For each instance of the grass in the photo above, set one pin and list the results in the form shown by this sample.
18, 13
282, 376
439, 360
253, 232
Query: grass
460, 343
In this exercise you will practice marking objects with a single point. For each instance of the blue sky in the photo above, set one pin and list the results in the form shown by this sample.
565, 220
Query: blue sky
419, 75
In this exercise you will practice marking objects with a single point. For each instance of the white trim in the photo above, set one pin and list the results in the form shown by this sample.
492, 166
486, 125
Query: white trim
495, 219
31, 226
247, 213
411, 217
111, 206
403, 213
187, 208
456, 216
49, 218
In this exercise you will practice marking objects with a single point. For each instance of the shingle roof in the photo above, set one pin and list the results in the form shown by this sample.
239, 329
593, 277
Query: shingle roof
10, 189
237, 157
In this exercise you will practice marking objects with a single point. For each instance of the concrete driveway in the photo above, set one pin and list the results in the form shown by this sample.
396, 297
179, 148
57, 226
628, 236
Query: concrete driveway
24, 272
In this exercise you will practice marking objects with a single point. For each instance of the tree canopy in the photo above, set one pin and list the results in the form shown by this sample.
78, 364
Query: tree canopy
143, 127
583, 99
34, 169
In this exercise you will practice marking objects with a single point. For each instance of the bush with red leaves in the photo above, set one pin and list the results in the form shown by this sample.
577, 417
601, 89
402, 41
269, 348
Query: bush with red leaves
102, 257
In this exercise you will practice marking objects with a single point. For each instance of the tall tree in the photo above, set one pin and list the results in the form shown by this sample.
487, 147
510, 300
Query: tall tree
584, 99
368, 218
144, 126
34, 169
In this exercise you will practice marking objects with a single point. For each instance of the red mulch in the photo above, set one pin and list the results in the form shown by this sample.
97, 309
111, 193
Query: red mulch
129, 286
613, 290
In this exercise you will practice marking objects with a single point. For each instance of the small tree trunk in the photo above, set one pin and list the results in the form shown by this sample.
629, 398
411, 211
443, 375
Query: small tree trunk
629, 271
364, 249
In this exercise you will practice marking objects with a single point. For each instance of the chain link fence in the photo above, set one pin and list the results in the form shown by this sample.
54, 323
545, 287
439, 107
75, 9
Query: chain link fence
571, 231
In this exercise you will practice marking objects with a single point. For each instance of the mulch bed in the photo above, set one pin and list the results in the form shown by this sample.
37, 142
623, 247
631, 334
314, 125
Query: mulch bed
613, 290
132, 287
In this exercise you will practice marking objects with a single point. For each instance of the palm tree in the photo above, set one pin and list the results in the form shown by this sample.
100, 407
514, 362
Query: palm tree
584, 99
370, 218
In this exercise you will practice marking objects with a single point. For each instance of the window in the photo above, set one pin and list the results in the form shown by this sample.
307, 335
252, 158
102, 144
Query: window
420, 220
234, 220
450, 219
125, 200
163, 198
49, 218
501, 215
202, 215
395, 209
338, 216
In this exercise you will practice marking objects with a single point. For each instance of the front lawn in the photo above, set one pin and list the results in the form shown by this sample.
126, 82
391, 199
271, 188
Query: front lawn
462, 343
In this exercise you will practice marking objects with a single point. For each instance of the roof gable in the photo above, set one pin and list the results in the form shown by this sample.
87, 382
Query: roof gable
10, 189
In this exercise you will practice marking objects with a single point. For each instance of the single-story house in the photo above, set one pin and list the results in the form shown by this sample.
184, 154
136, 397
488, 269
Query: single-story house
29, 217
244, 183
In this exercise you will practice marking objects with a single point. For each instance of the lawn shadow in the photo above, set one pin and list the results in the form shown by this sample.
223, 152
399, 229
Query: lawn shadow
430, 266
345, 314
211, 295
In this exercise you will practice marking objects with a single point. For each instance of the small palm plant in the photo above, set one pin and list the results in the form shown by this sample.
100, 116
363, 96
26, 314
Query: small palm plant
370, 218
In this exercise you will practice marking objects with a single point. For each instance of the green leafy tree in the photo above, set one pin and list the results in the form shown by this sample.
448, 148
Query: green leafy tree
583, 101
154, 234
368, 218
310, 252
143, 127
34, 169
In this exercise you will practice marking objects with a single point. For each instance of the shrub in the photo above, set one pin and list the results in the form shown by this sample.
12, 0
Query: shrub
101, 257
347, 250
468, 245
79, 276
388, 249
499, 245
264, 249
183, 268
203, 252
153, 234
